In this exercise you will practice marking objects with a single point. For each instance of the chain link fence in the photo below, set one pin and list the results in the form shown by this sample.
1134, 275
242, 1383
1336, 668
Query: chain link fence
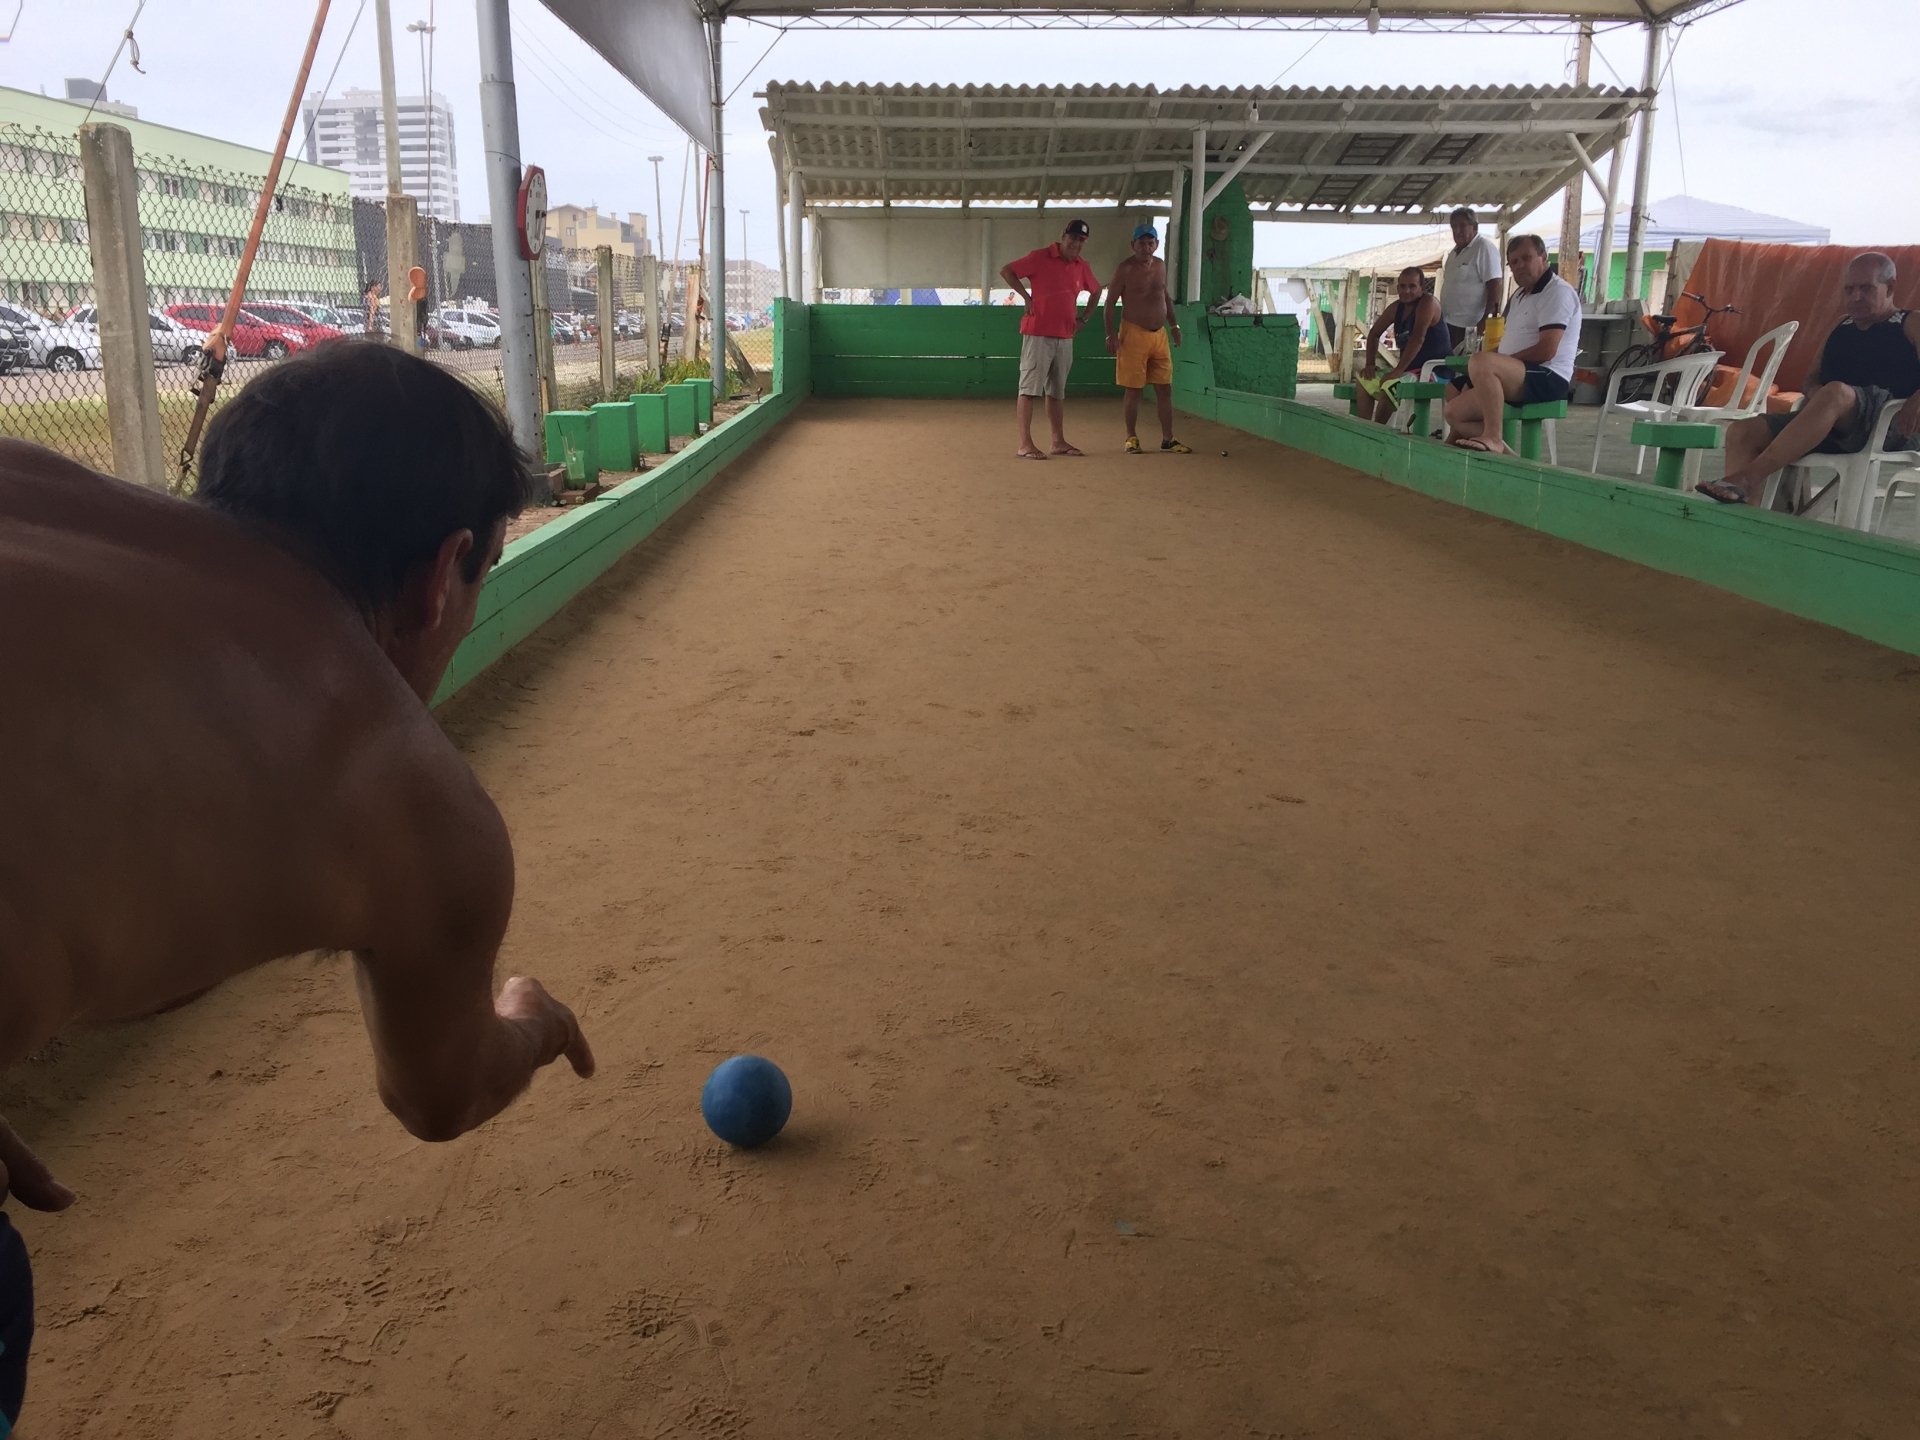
194, 220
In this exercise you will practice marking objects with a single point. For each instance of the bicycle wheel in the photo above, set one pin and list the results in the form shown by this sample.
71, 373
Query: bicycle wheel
1635, 388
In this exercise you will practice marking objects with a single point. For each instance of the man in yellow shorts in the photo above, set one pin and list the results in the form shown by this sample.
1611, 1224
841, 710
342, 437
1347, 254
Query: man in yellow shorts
1141, 356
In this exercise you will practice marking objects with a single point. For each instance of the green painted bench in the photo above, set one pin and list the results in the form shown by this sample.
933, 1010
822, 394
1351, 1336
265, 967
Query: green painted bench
613, 420
1421, 394
1350, 393
1674, 439
1521, 426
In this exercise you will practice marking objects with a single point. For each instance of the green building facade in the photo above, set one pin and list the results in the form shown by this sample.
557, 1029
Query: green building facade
197, 197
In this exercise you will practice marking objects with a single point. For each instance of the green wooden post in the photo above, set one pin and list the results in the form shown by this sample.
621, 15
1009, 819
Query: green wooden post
650, 423
1673, 439
703, 401
613, 421
683, 410
1350, 394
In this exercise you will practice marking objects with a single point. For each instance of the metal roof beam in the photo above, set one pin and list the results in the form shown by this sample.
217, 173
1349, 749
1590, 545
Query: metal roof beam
1580, 125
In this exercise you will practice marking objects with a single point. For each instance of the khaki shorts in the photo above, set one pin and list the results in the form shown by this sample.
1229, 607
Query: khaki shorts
1142, 358
1044, 363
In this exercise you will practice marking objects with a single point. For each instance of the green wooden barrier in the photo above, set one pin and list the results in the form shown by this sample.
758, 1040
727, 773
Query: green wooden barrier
650, 423
573, 441
683, 411
937, 350
613, 432
702, 401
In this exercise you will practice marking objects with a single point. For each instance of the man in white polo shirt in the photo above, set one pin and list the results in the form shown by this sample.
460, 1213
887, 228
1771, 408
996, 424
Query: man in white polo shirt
1534, 365
1469, 278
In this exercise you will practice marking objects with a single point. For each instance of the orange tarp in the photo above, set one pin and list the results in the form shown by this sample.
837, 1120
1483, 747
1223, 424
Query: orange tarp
1773, 284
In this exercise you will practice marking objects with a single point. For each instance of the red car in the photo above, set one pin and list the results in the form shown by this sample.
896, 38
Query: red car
285, 317
252, 338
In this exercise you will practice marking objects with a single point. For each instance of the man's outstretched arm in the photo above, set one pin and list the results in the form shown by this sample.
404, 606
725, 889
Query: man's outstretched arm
448, 1054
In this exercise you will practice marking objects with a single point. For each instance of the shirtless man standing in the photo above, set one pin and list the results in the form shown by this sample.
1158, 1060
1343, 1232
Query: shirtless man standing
1141, 357
220, 750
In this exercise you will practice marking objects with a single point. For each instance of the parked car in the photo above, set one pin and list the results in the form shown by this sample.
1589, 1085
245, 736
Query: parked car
13, 350
59, 347
253, 338
173, 343
563, 331
470, 328
293, 319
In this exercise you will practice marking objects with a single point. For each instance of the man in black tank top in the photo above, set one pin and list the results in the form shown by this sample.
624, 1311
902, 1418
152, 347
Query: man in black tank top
1871, 360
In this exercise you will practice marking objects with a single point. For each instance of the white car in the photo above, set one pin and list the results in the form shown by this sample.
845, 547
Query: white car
172, 341
470, 328
65, 348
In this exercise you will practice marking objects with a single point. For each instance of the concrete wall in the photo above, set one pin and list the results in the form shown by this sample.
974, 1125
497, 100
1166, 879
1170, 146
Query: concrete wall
929, 248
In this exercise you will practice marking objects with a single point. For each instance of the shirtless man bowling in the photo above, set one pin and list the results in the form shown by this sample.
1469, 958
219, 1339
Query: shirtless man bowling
219, 749
1141, 357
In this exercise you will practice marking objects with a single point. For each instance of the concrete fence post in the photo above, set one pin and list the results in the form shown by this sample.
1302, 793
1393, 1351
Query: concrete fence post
403, 248
650, 287
120, 304
603, 263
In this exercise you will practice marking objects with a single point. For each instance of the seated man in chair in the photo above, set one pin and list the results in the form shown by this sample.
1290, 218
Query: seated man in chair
1871, 360
1534, 365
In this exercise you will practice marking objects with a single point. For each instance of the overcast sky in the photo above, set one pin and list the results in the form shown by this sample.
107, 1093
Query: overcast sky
1803, 108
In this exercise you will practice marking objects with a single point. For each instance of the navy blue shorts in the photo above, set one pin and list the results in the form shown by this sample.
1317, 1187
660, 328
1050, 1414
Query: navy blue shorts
16, 1322
1541, 387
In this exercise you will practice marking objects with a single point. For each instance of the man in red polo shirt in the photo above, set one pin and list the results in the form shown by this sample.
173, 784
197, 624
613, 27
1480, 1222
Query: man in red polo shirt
1055, 277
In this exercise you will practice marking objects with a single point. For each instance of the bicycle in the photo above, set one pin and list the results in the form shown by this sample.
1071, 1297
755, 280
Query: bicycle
1670, 341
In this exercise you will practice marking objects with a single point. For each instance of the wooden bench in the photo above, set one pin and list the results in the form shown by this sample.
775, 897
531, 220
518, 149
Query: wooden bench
1521, 426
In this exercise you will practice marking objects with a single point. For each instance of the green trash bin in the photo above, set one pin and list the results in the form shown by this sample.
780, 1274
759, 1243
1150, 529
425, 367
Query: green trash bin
613, 421
650, 423
683, 410
571, 442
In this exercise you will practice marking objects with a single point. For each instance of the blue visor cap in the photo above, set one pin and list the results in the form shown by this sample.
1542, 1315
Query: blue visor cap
1145, 232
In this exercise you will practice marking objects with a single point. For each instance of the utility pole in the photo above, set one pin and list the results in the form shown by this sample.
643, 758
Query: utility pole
659, 210
400, 213
1570, 211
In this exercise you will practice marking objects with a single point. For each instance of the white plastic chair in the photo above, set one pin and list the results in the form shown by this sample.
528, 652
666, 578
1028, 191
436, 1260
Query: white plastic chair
1902, 485
1856, 478
1755, 403
1675, 384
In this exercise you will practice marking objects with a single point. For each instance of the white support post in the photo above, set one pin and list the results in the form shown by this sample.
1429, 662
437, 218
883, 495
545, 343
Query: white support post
780, 230
1197, 222
112, 188
1603, 251
1643, 163
500, 137
1226, 176
795, 210
986, 260
1174, 207
717, 222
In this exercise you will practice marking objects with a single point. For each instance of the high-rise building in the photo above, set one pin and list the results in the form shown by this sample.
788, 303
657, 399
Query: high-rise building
92, 92
348, 132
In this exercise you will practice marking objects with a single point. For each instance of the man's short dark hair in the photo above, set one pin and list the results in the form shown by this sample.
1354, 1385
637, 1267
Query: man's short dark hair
363, 459
1462, 212
1532, 241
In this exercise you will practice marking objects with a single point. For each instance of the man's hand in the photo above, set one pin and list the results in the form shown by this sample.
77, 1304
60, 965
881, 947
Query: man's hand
552, 1025
1907, 420
1176, 333
24, 1177
1366, 372
1113, 345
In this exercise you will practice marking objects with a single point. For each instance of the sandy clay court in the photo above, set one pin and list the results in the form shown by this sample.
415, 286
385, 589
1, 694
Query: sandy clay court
1259, 953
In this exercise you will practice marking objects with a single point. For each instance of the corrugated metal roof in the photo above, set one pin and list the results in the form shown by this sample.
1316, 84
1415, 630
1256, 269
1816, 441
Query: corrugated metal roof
1201, 12
1391, 155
